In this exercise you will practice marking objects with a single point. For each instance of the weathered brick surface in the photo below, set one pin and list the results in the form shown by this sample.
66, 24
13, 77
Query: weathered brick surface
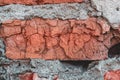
112, 75
26, 76
31, 76
29, 2
56, 39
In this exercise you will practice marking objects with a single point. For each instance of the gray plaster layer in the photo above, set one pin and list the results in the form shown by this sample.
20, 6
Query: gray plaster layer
62, 11
2, 47
110, 9
10, 69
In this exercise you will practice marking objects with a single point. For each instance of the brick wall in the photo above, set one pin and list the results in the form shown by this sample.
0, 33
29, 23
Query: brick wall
83, 33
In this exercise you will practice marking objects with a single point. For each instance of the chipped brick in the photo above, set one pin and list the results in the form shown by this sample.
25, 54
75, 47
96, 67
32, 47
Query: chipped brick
33, 2
112, 75
64, 40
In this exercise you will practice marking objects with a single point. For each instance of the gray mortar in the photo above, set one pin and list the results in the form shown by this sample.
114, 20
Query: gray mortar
2, 47
98, 71
110, 10
62, 11
47, 69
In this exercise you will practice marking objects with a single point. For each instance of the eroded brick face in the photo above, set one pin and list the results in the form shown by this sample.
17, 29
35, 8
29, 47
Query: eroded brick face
112, 75
32, 2
31, 76
26, 76
56, 39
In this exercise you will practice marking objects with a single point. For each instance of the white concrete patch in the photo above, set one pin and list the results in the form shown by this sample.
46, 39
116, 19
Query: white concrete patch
109, 8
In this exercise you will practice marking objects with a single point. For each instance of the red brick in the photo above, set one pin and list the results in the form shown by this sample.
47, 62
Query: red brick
33, 2
11, 30
30, 76
56, 39
15, 46
26, 76
112, 75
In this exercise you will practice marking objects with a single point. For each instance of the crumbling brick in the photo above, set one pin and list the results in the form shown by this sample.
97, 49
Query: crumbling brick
55, 39
30, 76
112, 75
33, 2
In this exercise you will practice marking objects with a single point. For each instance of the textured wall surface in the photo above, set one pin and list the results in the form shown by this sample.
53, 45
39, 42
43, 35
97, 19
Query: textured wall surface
55, 39
59, 39
112, 75
34, 2
51, 11
110, 9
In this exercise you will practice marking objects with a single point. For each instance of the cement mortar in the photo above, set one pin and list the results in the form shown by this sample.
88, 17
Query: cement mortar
109, 9
2, 47
51, 11
48, 69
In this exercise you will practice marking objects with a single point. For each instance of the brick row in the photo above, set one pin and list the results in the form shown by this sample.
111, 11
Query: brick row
56, 39
34, 2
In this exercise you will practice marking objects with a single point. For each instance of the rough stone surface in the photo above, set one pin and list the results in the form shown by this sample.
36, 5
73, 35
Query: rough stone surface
33, 2
97, 72
2, 47
51, 11
110, 10
50, 70
55, 39
112, 75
